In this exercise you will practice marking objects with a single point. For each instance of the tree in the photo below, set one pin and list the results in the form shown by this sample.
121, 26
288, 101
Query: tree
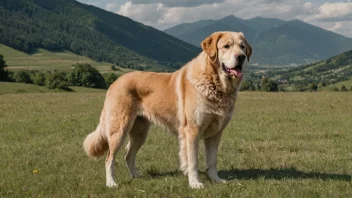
56, 80
321, 84
343, 88
313, 87
269, 85
300, 88
3, 72
247, 85
23, 76
263, 82
86, 76
272, 86
2, 62
110, 78
114, 68
39, 78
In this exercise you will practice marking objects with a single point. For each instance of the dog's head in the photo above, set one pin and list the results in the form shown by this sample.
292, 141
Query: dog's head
229, 51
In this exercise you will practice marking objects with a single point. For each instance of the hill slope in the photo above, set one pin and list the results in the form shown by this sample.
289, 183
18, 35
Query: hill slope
47, 60
330, 71
86, 30
274, 41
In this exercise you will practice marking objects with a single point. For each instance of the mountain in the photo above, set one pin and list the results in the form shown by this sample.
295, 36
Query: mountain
194, 33
333, 70
260, 23
90, 31
274, 41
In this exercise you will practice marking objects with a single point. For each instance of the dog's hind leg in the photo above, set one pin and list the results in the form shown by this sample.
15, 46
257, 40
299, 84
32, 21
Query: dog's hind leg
137, 137
117, 126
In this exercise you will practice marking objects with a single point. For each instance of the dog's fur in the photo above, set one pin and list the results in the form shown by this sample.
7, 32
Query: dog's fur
195, 102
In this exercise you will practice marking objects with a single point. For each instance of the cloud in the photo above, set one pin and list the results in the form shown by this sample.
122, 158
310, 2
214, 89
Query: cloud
161, 16
166, 13
149, 14
110, 6
341, 11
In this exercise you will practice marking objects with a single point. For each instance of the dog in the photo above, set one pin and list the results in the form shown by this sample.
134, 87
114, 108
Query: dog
195, 102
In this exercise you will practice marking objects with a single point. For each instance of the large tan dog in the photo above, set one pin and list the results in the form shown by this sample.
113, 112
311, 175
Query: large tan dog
195, 102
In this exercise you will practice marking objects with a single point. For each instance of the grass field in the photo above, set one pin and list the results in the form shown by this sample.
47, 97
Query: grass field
46, 60
11, 88
277, 145
347, 83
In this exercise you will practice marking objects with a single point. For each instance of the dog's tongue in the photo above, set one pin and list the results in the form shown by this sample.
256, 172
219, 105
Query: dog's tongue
236, 72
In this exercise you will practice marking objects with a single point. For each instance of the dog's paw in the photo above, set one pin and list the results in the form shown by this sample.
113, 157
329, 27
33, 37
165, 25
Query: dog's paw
213, 176
219, 180
196, 185
111, 184
136, 175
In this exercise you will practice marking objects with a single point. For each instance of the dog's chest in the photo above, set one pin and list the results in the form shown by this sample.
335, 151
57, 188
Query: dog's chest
212, 117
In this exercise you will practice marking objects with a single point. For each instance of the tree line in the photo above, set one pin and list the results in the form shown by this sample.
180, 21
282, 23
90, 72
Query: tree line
83, 75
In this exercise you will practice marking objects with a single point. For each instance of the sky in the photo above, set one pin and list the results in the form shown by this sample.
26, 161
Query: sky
333, 15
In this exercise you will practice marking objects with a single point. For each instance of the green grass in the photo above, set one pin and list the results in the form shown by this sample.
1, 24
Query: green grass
347, 83
46, 60
11, 88
277, 145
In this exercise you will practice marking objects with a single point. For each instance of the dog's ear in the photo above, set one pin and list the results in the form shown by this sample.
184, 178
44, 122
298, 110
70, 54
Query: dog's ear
248, 50
209, 45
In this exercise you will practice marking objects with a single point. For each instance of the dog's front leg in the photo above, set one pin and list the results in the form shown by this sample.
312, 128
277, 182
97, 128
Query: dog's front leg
192, 138
183, 152
211, 145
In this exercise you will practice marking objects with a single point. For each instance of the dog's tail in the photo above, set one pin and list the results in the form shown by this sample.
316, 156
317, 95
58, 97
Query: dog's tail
96, 143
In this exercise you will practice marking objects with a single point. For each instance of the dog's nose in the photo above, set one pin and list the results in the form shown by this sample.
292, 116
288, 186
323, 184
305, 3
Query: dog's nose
241, 57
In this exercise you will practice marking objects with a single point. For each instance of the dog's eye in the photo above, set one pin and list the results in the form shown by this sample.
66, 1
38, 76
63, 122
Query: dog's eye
227, 46
242, 46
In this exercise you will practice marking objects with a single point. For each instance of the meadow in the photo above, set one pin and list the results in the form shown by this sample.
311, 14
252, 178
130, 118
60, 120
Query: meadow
19, 88
43, 60
277, 145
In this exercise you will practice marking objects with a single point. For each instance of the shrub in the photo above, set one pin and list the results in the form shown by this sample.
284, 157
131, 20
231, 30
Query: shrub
3, 73
22, 76
39, 78
247, 85
56, 80
313, 87
269, 85
343, 88
110, 78
86, 76
114, 68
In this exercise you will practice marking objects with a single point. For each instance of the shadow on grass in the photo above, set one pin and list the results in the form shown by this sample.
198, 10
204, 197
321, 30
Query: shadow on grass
278, 174
154, 173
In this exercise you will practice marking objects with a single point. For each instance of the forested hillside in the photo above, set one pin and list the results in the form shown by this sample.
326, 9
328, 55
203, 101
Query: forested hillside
89, 31
333, 70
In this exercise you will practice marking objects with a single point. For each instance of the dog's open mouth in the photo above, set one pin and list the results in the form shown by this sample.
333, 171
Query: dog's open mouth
237, 71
